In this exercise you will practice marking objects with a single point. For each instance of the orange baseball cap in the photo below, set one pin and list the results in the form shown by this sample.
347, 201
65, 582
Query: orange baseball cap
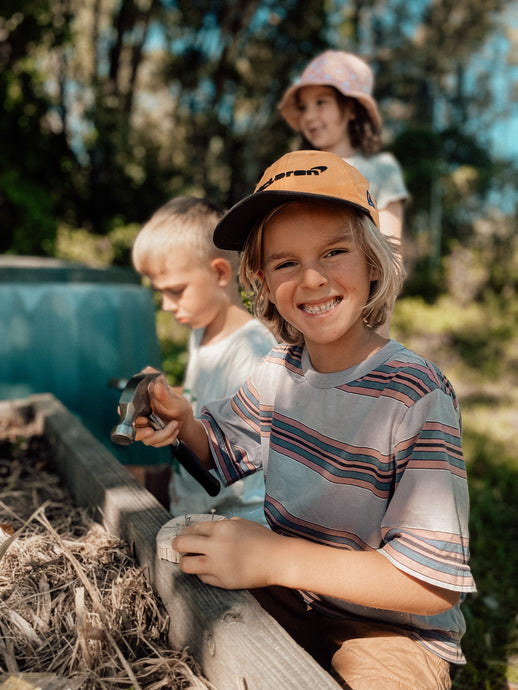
300, 175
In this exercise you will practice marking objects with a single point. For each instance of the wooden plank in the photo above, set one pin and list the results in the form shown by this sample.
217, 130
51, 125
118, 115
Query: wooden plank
238, 645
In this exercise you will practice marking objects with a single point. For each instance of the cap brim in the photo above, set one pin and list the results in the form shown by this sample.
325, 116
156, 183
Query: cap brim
235, 226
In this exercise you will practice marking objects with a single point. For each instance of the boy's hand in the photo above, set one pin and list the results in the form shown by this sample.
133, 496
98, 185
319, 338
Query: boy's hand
231, 554
145, 433
172, 408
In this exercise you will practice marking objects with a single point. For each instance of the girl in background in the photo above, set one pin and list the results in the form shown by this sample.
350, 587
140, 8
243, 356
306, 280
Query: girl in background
333, 109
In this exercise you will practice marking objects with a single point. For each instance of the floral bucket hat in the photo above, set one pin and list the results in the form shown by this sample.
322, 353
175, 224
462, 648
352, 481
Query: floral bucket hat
348, 73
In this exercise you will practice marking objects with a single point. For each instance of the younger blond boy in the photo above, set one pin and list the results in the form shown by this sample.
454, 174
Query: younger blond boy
198, 285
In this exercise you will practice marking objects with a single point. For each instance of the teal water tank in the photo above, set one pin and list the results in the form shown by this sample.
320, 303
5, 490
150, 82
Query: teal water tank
69, 329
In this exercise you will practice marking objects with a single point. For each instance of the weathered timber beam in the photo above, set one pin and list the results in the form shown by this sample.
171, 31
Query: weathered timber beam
238, 645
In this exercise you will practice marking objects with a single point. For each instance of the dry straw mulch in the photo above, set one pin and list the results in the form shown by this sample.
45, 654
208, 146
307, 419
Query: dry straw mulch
73, 602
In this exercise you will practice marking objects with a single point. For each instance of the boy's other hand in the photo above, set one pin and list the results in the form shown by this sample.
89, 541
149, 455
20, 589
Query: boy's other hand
145, 433
172, 409
166, 401
231, 554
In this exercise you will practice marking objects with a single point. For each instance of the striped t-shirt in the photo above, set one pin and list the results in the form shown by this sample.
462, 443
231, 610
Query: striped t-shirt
368, 458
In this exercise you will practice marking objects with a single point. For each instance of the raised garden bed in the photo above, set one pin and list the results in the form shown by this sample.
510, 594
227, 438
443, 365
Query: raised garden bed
236, 644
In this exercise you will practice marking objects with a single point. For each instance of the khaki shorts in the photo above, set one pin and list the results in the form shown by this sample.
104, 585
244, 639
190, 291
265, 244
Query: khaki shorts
361, 655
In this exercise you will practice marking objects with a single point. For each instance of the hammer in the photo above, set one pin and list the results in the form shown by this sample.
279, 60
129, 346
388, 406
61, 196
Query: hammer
133, 403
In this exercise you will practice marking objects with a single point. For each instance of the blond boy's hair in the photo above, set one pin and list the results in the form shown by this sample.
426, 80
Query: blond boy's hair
185, 222
380, 254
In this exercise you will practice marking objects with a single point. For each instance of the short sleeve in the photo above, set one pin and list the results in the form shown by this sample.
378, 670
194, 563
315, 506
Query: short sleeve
385, 177
425, 528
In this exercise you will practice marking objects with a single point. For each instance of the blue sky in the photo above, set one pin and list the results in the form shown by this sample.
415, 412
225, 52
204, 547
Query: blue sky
502, 55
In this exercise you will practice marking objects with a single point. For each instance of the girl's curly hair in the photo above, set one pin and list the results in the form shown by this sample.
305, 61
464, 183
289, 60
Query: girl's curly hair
363, 133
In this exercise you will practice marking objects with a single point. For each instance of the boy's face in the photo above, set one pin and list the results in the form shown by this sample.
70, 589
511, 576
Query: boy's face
318, 281
189, 289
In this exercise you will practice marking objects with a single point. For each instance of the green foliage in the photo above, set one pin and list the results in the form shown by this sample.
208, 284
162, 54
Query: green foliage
102, 124
491, 638
26, 215
197, 114
38, 168
174, 361
425, 281
81, 246
232, 64
418, 149
476, 346
483, 267
113, 249
445, 172
121, 239
173, 343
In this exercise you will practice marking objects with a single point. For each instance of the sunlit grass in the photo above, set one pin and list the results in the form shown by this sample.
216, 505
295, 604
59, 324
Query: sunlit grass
476, 346
173, 340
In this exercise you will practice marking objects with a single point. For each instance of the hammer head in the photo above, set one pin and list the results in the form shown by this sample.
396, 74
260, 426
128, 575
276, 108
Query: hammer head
133, 403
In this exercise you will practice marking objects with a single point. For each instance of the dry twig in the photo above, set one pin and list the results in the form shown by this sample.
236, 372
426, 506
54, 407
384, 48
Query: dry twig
72, 600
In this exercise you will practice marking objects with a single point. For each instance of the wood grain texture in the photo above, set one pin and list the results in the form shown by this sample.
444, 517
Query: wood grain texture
172, 528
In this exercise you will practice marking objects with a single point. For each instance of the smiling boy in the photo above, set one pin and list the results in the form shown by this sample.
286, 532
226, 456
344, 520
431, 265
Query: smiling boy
359, 439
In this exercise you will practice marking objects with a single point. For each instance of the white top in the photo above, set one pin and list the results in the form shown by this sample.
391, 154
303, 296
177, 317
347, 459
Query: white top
213, 372
384, 174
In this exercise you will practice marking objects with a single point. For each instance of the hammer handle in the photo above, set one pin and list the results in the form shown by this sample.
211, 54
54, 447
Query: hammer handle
189, 460
193, 465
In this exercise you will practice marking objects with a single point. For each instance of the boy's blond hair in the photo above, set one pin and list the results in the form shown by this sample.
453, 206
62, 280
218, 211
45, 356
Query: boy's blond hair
185, 222
380, 254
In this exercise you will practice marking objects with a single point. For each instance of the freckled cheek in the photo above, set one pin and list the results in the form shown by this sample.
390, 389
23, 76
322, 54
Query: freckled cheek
283, 294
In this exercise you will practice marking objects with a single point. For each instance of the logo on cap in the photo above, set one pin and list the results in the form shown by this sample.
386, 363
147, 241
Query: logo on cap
316, 170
